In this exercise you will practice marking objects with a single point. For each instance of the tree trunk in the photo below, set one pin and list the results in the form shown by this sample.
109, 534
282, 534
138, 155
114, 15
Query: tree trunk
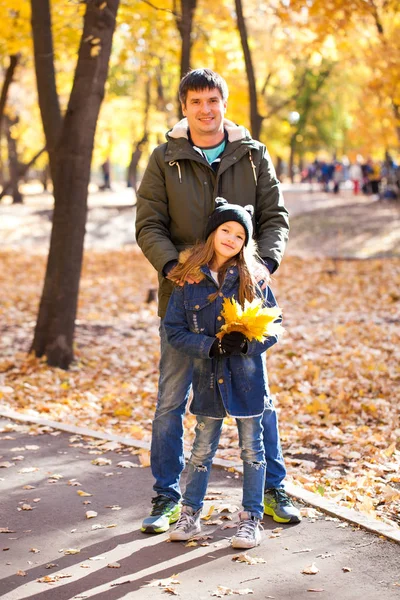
55, 326
45, 76
255, 118
184, 23
137, 152
292, 155
13, 162
22, 170
6, 86
396, 111
3, 99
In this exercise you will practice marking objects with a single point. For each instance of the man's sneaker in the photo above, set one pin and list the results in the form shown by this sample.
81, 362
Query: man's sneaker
279, 506
248, 534
187, 526
164, 512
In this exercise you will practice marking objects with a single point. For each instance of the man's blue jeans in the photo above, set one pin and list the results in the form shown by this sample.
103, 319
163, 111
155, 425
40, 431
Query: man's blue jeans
167, 457
208, 432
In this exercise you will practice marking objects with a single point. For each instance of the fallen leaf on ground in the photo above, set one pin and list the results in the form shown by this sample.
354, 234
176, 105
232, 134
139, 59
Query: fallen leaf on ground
28, 470
71, 551
101, 462
26, 507
6, 530
91, 514
231, 508
34, 550
346, 569
126, 464
144, 458
246, 558
114, 565
224, 591
311, 569
53, 578
21, 573
207, 517
82, 493
7, 464
163, 582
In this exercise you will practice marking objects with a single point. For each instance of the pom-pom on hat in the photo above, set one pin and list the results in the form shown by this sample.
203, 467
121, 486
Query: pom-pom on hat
225, 212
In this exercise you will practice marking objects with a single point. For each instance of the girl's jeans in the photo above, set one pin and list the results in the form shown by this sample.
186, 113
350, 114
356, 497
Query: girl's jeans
208, 432
167, 457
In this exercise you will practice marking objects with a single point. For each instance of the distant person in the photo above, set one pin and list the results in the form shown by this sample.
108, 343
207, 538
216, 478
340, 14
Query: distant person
205, 156
356, 176
223, 264
374, 177
338, 177
106, 172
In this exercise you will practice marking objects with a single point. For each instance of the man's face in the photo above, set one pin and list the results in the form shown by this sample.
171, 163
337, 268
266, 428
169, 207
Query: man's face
205, 111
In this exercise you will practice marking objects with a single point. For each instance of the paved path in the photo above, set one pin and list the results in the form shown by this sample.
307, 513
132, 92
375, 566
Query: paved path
322, 225
352, 563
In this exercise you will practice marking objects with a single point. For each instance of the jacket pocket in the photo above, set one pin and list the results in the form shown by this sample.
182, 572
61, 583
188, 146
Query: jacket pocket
197, 313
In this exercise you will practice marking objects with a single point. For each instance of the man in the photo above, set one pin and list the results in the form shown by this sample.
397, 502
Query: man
205, 156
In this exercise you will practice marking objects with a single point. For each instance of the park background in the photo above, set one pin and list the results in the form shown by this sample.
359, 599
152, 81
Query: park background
88, 84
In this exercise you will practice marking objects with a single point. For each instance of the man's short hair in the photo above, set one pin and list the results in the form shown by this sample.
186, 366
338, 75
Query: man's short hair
202, 79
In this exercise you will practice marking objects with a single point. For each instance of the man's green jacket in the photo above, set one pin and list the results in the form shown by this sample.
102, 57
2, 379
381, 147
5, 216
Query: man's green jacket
177, 194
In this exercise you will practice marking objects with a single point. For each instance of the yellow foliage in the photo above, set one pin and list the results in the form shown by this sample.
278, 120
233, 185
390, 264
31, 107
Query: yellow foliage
254, 321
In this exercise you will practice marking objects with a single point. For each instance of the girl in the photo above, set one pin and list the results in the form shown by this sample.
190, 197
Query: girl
229, 375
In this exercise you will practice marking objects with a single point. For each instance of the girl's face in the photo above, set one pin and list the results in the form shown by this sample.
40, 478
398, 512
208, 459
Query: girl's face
229, 239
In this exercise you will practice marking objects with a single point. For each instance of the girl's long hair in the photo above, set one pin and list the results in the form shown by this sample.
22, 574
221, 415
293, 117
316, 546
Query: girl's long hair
203, 254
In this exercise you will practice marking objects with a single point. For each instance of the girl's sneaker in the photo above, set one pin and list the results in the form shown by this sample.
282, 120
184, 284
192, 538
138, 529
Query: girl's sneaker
187, 526
248, 533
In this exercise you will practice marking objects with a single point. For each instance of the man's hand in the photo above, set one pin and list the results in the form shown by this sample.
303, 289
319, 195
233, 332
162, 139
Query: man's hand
169, 267
188, 279
261, 273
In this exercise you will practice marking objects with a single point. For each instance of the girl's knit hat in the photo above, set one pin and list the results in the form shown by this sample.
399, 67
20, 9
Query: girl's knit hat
225, 212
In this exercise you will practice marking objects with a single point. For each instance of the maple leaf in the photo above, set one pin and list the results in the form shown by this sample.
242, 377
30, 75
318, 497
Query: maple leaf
254, 321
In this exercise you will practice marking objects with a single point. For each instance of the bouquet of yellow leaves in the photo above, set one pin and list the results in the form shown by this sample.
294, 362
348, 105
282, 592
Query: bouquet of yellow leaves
254, 321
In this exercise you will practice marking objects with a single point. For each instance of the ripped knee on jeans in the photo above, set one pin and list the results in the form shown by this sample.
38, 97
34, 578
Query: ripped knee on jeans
200, 468
255, 464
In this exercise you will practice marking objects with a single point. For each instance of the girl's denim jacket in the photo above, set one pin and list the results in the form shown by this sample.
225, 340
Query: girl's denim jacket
226, 385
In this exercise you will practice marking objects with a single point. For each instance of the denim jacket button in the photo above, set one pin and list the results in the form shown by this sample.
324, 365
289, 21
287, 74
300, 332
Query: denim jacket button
220, 380
219, 318
221, 295
231, 272
197, 306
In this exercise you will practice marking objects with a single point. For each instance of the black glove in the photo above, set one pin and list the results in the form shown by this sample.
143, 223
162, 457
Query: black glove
233, 343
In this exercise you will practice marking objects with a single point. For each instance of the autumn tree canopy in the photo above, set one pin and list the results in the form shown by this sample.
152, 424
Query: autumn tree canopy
355, 111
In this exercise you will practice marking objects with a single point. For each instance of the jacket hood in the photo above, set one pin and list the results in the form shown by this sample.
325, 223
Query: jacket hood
196, 273
236, 133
